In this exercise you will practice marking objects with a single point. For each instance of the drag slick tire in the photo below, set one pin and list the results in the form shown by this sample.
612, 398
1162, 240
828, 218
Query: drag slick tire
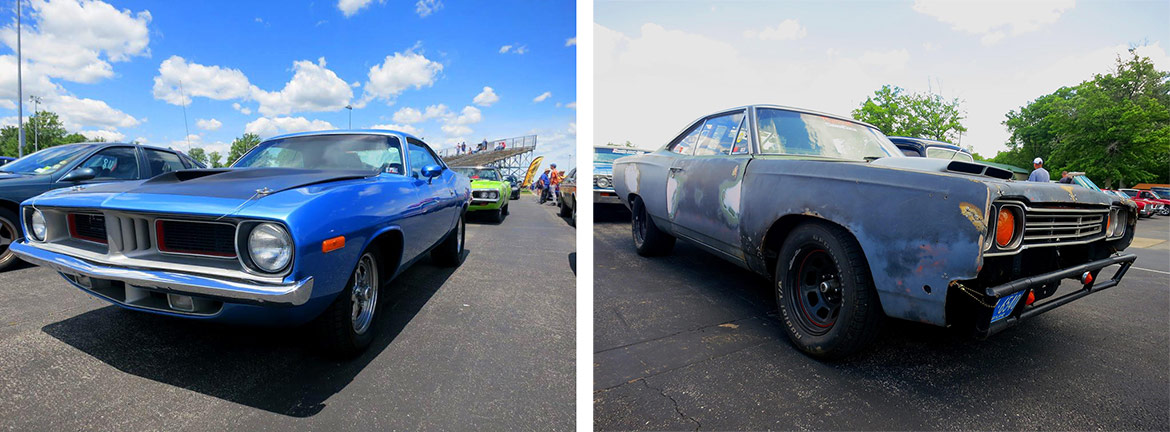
347, 326
825, 292
450, 252
9, 233
648, 239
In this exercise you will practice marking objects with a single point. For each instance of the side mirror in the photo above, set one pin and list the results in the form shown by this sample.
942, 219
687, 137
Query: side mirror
432, 171
79, 175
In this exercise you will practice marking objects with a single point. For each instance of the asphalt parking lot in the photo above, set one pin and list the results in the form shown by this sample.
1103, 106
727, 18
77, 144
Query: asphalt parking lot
488, 345
689, 341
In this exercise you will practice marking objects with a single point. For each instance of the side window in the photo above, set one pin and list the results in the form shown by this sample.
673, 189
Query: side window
685, 144
114, 163
719, 134
163, 162
420, 156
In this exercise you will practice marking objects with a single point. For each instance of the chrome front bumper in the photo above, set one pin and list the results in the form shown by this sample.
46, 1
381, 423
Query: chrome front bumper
294, 294
602, 196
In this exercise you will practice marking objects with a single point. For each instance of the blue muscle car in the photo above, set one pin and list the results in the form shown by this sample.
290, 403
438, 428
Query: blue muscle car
304, 227
850, 231
73, 164
603, 158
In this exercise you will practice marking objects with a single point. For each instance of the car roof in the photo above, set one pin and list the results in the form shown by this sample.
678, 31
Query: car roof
386, 132
925, 142
803, 110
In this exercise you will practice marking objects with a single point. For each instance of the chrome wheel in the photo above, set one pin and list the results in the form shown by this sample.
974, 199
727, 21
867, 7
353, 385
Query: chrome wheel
364, 294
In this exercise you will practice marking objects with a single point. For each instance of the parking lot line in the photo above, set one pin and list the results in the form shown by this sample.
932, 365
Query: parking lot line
1149, 270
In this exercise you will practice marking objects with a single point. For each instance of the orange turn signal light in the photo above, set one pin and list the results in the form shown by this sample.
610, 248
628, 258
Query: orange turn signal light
1087, 278
1005, 227
333, 244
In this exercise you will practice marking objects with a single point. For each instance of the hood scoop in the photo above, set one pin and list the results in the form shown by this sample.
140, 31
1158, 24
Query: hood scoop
944, 165
241, 183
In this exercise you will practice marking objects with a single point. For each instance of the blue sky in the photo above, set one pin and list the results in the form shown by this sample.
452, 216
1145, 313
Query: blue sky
113, 69
659, 65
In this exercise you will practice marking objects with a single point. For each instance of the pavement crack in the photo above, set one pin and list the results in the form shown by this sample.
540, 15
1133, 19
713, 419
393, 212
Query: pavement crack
678, 410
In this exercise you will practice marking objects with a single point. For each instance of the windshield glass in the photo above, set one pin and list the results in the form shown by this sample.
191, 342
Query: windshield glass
47, 161
479, 173
1084, 181
795, 133
946, 153
1162, 192
1130, 193
608, 155
377, 153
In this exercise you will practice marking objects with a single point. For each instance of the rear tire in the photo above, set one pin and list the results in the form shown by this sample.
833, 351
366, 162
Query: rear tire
449, 253
564, 210
9, 233
825, 292
648, 239
347, 326
498, 215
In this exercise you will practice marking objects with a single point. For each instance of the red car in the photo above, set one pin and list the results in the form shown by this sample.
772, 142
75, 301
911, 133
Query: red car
1150, 196
1145, 207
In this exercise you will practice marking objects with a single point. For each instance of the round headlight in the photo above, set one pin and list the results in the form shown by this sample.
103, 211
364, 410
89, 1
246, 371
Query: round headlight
603, 182
270, 247
39, 228
1005, 227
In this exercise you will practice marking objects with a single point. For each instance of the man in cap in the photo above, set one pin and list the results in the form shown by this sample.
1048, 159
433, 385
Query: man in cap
1039, 174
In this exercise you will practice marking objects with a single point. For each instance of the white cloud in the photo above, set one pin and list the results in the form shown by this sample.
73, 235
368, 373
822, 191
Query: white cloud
894, 59
212, 82
571, 41
514, 49
486, 98
78, 112
995, 20
408, 115
401, 128
436, 111
542, 97
504, 49
208, 124
107, 135
76, 41
521, 49
351, 7
571, 105
469, 115
266, 127
788, 29
242, 109
399, 72
312, 88
455, 130
426, 7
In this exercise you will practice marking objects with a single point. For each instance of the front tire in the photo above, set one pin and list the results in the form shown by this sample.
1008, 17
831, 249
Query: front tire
9, 233
347, 325
449, 253
825, 292
648, 239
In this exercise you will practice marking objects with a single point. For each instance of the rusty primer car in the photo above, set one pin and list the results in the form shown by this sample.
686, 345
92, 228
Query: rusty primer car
851, 232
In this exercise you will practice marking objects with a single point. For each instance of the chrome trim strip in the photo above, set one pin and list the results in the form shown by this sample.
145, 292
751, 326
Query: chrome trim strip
284, 294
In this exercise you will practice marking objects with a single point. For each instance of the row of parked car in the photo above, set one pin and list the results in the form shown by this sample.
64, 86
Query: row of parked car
304, 228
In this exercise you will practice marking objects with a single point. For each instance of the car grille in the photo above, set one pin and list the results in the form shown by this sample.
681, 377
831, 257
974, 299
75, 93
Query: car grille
88, 226
1056, 226
196, 238
128, 234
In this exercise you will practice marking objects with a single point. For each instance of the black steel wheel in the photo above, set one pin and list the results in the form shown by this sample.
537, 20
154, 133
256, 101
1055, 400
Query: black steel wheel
648, 239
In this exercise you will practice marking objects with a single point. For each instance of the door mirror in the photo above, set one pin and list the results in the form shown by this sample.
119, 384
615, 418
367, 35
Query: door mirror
432, 171
79, 175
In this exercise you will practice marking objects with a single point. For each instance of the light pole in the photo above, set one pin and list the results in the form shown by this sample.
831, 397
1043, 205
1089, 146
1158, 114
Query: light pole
19, 88
36, 100
350, 108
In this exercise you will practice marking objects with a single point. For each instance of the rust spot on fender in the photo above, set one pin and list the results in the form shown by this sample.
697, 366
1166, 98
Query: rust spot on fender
974, 214
1069, 189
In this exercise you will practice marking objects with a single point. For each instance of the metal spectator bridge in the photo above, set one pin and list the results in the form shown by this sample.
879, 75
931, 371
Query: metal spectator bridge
513, 160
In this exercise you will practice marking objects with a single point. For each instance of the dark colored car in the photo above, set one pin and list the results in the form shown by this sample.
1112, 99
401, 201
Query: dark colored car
568, 201
922, 147
851, 232
515, 187
75, 164
5, 159
304, 227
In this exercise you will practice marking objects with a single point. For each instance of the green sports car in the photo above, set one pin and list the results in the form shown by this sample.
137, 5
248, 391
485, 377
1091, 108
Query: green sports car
489, 190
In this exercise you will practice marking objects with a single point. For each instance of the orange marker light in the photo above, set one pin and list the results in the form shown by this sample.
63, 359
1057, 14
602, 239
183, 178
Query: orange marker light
1005, 227
1031, 299
333, 244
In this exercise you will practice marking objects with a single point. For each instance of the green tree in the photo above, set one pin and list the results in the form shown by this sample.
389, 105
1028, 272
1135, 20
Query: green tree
1115, 127
921, 115
42, 130
199, 155
213, 160
241, 145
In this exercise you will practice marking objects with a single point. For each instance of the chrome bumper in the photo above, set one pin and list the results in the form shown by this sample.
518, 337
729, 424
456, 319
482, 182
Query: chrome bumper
294, 294
605, 197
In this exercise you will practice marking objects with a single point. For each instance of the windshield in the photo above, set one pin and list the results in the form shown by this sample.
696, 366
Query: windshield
1130, 193
1084, 181
377, 153
479, 173
1162, 192
608, 155
795, 133
47, 161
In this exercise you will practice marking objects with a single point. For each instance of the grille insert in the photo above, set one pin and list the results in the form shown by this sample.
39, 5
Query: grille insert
87, 226
196, 238
1051, 226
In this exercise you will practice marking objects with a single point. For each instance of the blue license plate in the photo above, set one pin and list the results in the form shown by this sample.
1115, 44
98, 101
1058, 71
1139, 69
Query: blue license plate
1005, 306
